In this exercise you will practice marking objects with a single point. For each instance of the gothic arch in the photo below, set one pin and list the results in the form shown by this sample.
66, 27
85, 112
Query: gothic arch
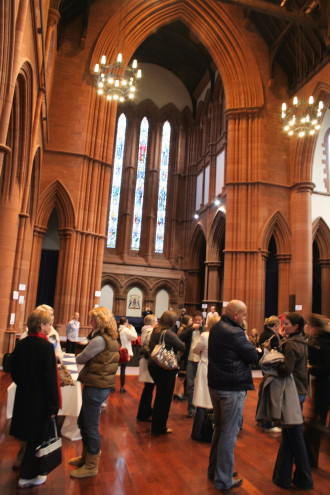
321, 235
109, 280
216, 236
277, 227
215, 28
56, 196
197, 242
166, 285
136, 282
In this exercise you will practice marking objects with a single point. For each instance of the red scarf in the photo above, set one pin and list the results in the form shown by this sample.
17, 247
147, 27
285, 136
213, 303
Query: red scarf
43, 336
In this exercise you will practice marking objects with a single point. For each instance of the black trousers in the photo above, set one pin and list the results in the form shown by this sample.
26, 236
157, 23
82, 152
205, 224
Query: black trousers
293, 451
29, 466
145, 408
70, 347
164, 381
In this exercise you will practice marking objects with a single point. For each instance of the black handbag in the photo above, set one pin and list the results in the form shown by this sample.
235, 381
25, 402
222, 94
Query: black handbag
49, 453
203, 425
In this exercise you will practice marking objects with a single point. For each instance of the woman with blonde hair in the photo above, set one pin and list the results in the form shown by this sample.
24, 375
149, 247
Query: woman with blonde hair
164, 379
270, 337
100, 358
37, 397
201, 399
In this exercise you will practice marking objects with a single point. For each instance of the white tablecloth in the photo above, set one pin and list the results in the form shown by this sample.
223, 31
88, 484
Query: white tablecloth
71, 401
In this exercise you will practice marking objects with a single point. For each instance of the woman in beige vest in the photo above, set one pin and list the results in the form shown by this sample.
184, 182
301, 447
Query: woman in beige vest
100, 358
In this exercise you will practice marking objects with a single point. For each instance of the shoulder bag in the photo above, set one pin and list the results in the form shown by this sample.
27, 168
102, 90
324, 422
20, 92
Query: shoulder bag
165, 358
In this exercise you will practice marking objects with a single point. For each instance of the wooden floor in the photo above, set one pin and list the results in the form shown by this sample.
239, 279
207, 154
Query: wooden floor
134, 462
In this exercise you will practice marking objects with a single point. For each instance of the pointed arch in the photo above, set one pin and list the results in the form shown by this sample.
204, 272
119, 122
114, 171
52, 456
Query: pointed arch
321, 235
56, 196
216, 237
198, 243
215, 28
277, 227
165, 285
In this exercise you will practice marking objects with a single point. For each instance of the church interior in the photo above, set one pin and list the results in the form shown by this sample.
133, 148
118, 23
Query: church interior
189, 193
163, 154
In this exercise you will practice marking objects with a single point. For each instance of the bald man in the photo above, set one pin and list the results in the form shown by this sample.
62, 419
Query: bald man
229, 378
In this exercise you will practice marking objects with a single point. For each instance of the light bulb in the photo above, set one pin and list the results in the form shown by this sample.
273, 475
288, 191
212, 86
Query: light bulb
311, 132
103, 60
301, 134
131, 96
124, 82
100, 91
119, 58
320, 105
283, 107
139, 74
96, 68
109, 97
100, 84
295, 101
134, 64
121, 99
117, 83
110, 80
115, 97
311, 100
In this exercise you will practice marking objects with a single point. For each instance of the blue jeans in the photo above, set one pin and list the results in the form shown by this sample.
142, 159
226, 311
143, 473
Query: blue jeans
89, 417
191, 371
228, 410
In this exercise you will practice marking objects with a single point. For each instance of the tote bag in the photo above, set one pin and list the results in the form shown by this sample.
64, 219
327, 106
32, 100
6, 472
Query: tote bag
49, 453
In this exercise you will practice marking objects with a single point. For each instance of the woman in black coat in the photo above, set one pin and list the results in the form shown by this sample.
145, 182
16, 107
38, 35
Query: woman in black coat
164, 379
37, 397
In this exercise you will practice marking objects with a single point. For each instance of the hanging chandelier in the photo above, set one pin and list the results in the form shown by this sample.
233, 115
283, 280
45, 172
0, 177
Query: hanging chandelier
116, 81
300, 118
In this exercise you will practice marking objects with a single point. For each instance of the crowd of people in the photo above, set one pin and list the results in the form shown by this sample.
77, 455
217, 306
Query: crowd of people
212, 371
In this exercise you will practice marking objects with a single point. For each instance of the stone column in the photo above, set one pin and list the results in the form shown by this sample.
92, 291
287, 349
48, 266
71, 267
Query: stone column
283, 281
301, 273
325, 286
212, 289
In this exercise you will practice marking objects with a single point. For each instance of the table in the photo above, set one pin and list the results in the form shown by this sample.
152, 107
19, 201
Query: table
71, 401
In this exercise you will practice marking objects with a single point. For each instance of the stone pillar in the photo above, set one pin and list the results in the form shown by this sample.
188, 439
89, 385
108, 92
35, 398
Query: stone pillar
301, 273
212, 289
325, 286
283, 281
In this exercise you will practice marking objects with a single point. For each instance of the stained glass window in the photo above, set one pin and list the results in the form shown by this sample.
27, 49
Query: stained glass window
116, 182
162, 189
139, 188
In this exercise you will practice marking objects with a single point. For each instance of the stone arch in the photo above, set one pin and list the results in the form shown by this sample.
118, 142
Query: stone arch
321, 235
216, 236
109, 280
277, 227
136, 282
166, 285
197, 241
56, 196
215, 28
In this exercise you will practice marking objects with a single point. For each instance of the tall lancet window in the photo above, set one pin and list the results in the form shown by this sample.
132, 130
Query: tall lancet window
139, 188
162, 189
116, 182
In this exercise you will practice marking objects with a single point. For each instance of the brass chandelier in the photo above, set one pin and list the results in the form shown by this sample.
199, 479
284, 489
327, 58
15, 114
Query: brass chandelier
116, 81
300, 118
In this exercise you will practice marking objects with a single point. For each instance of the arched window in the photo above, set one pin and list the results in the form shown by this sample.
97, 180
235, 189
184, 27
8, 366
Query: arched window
139, 188
162, 189
116, 182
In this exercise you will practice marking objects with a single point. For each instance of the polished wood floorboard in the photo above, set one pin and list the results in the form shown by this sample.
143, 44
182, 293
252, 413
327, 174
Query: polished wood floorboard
135, 462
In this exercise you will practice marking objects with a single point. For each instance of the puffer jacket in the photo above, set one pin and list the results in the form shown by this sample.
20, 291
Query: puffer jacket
230, 354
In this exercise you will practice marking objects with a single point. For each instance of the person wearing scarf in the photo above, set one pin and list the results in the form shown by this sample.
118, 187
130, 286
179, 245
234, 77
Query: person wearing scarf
37, 397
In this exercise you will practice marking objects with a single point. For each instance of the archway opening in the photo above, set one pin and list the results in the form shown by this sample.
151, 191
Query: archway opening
49, 262
271, 283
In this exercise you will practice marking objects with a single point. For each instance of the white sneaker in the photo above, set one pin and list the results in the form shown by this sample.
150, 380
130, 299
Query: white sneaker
39, 480
274, 429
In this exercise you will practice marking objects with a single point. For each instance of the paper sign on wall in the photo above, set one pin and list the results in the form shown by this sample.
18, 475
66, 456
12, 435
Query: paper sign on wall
12, 319
22, 287
97, 293
15, 294
21, 300
298, 307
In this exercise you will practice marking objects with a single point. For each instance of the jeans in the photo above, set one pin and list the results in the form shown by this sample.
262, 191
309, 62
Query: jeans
228, 410
191, 371
89, 417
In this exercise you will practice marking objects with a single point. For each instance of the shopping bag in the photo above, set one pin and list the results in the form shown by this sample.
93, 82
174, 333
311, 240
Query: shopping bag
49, 453
123, 355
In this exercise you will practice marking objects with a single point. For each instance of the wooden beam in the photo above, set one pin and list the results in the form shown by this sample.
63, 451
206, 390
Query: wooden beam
293, 16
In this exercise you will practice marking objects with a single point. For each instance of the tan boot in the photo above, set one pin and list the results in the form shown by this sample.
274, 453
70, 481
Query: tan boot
90, 468
80, 460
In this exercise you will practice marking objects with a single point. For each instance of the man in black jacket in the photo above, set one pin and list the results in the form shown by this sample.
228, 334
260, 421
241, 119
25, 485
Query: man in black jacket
229, 377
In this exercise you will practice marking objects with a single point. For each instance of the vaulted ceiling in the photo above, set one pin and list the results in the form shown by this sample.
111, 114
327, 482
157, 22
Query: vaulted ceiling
297, 33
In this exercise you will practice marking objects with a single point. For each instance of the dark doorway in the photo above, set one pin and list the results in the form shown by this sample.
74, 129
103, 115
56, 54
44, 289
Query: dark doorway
48, 263
317, 292
271, 286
